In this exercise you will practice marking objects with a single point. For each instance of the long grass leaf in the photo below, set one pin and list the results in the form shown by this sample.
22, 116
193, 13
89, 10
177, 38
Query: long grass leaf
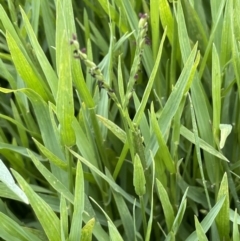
166, 204
75, 232
46, 67
14, 230
48, 219
222, 218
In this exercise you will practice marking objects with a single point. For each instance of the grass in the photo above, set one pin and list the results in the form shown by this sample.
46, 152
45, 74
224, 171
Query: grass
119, 120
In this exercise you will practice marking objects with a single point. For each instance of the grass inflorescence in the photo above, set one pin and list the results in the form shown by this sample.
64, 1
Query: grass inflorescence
117, 124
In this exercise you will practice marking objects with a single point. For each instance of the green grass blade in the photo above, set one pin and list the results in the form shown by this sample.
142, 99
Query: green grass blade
49, 28
48, 219
14, 230
114, 234
51, 157
65, 108
87, 230
200, 233
150, 221
110, 182
204, 145
155, 20
198, 95
174, 99
180, 213
7, 179
166, 204
52, 180
235, 228
227, 33
63, 219
46, 67
127, 220
9, 26
165, 154
208, 220
26, 69
222, 218
148, 89
75, 232
216, 93
195, 28
166, 18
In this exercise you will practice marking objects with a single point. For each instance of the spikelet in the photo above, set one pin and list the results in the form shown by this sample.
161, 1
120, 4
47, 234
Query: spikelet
140, 42
93, 69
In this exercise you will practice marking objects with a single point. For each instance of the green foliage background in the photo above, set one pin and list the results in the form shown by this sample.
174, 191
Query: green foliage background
118, 127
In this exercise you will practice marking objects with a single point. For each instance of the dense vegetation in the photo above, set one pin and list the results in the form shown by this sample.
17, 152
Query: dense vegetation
119, 120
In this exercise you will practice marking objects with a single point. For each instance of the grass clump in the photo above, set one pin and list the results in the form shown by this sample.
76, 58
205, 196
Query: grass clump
118, 124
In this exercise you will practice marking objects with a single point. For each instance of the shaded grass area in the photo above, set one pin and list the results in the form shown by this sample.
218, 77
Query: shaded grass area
119, 120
